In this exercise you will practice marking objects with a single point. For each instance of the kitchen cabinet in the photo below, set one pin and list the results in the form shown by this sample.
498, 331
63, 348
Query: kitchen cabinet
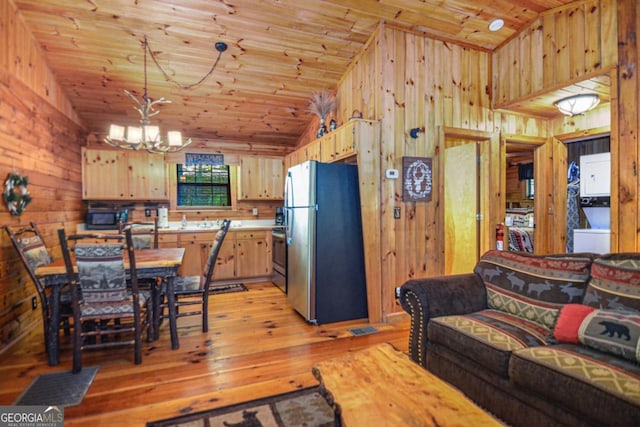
253, 254
290, 160
261, 178
118, 175
194, 244
313, 151
244, 254
328, 147
337, 145
345, 141
226, 261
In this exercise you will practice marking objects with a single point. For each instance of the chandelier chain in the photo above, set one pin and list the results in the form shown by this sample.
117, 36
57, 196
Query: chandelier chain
220, 47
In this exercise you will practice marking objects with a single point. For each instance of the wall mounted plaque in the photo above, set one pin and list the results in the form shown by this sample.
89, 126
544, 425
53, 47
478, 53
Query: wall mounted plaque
417, 180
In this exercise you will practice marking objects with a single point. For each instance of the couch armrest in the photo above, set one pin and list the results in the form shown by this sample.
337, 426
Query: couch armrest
438, 296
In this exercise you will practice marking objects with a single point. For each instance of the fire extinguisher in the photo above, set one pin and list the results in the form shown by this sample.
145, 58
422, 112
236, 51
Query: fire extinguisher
500, 237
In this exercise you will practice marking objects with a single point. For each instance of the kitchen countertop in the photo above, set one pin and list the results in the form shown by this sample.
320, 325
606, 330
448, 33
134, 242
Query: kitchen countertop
199, 226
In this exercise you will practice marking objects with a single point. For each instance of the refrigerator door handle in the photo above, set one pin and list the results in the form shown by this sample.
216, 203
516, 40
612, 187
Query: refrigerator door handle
288, 213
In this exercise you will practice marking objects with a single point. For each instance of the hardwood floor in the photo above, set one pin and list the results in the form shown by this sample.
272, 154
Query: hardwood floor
256, 346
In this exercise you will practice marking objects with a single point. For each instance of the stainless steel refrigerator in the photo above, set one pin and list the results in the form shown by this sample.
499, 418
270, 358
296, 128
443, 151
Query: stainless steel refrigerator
325, 256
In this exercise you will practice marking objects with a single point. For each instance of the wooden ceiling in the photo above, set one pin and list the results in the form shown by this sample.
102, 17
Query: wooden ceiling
280, 52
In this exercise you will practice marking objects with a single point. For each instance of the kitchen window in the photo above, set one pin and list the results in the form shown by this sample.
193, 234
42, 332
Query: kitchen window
203, 185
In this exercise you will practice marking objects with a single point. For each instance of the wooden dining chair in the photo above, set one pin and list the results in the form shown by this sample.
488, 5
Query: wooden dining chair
144, 233
194, 290
107, 310
33, 253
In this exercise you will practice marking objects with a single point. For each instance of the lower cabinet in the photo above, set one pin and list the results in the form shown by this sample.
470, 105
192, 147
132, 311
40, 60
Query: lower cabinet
243, 255
195, 252
253, 254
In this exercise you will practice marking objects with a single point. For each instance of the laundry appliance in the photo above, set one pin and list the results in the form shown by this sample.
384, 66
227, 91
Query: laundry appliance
595, 201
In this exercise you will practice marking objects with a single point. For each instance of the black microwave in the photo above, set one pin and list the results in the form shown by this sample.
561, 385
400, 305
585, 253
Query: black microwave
102, 219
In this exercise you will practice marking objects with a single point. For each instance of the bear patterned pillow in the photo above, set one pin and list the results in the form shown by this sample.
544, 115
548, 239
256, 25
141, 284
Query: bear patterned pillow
611, 331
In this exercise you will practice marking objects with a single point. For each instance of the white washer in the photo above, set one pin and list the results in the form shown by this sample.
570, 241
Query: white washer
592, 240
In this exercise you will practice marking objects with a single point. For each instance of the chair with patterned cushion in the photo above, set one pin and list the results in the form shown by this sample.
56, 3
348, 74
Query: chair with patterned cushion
194, 290
108, 311
32, 250
144, 233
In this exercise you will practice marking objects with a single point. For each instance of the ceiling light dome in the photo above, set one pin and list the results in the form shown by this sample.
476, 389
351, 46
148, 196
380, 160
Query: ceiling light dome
496, 24
577, 104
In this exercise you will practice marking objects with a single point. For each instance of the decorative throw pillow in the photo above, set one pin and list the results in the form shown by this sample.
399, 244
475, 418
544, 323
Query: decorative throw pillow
35, 252
610, 331
533, 287
615, 282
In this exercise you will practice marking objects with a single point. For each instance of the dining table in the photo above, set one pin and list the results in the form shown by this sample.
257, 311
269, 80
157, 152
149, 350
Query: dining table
150, 264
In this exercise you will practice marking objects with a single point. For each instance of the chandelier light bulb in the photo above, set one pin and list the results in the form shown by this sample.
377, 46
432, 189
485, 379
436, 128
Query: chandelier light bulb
152, 133
134, 135
116, 132
175, 138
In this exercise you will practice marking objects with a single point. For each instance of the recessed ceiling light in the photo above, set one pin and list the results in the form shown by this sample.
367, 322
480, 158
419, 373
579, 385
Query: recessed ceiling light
496, 24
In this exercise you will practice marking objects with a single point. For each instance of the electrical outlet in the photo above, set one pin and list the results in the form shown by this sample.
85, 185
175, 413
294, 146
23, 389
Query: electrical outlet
147, 212
396, 213
34, 303
255, 211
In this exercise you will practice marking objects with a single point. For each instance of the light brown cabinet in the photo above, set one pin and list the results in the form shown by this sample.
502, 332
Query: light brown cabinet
243, 255
328, 147
340, 144
253, 254
261, 178
313, 151
118, 175
345, 141
195, 246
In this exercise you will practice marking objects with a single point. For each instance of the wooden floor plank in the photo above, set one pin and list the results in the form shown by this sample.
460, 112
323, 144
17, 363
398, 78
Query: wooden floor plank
256, 346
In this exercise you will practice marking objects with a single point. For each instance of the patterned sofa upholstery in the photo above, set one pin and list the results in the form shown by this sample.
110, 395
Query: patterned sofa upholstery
535, 340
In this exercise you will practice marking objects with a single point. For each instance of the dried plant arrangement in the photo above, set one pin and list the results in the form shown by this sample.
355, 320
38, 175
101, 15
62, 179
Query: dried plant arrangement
322, 103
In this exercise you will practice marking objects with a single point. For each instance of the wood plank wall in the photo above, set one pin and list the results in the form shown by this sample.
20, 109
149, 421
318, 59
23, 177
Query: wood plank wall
405, 80
564, 45
39, 138
425, 83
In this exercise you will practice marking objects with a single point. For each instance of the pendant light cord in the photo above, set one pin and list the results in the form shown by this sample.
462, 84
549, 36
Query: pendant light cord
220, 47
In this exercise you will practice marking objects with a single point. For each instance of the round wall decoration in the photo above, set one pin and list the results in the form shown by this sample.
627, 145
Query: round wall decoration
16, 195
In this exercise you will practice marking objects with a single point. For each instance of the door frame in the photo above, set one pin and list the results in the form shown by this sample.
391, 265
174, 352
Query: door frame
558, 227
543, 196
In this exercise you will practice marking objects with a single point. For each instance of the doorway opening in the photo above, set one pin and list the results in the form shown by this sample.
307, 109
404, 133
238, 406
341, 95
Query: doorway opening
588, 212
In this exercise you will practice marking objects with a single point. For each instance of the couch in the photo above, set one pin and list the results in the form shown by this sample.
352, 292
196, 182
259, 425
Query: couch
535, 340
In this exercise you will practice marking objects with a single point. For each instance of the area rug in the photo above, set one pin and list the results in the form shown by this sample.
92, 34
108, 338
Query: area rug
225, 289
58, 388
299, 408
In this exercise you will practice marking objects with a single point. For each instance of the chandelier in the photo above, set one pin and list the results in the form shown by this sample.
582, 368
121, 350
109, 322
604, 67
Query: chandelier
577, 104
147, 137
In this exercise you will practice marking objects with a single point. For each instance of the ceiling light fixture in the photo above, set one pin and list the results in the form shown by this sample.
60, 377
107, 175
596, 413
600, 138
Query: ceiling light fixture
496, 24
577, 104
145, 136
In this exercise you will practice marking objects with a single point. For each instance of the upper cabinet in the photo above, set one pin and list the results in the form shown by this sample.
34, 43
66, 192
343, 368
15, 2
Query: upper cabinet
261, 178
118, 175
340, 144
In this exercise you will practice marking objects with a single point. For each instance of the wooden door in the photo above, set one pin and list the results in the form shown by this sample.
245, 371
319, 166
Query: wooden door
461, 207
